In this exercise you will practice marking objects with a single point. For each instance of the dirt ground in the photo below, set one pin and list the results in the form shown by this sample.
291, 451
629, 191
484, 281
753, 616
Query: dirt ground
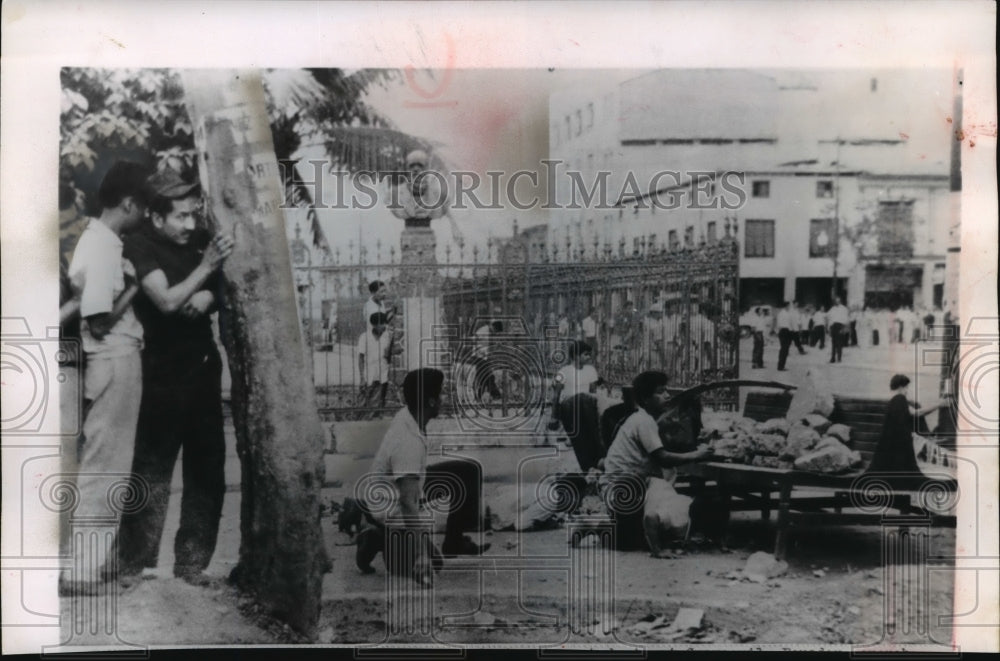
835, 592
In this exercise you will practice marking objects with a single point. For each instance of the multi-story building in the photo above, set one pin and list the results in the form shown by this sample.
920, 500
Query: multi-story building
827, 177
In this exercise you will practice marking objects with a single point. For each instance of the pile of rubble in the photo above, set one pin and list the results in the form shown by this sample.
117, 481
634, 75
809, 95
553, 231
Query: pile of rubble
811, 443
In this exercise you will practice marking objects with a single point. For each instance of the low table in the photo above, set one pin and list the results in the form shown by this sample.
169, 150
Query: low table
871, 495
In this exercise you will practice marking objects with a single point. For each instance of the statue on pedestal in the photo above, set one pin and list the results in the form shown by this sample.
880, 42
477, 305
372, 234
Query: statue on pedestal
417, 199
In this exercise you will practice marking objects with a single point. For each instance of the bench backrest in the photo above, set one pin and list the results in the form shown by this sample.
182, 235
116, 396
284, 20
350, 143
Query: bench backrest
865, 418
762, 406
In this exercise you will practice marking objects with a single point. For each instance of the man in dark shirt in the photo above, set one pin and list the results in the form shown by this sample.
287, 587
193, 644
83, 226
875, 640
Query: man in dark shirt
177, 264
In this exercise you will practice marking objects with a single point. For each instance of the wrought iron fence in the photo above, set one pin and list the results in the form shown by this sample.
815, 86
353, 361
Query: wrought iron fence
675, 311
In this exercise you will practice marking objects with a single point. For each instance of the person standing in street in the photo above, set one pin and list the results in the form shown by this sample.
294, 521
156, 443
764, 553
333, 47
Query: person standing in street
589, 327
801, 331
759, 328
786, 326
111, 335
177, 263
838, 317
818, 328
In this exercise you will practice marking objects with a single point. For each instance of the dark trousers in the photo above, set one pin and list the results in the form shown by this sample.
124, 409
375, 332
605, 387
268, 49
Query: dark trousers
837, 338
579, 418
628, 514
758, 349
462, 481
818, 337
785, 341
485, 379
797, 340
178, 414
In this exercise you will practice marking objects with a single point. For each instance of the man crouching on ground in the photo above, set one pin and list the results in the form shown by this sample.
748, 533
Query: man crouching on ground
638, 455
401, 465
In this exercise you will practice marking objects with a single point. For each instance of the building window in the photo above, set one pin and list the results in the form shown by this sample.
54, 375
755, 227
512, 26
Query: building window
895, 228
823, 237
759, 238
712, 238
762, 189
672, 242
590, 115
689, 236
579, 122
824, 189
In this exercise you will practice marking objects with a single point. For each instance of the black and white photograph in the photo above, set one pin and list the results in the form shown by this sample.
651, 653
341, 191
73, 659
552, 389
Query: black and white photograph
603, 357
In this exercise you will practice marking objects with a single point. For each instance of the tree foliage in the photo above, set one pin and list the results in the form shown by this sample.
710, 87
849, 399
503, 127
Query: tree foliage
139, 114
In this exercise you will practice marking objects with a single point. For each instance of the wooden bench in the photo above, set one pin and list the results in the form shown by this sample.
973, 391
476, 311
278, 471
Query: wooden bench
762, 406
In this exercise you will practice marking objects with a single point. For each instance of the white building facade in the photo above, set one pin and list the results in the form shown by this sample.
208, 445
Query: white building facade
826, 177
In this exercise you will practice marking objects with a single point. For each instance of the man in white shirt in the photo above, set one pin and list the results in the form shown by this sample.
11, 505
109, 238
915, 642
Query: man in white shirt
655, 337
786, 324
589, 326
638, 454
400, 466
838, 318
375, 348
758, 327
818, 328
574, 404
112, 340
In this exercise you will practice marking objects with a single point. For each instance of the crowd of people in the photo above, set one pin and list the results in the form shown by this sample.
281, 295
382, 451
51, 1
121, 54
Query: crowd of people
143, 282
839, 324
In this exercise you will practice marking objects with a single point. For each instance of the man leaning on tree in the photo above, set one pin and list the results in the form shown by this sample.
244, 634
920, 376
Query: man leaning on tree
177, 264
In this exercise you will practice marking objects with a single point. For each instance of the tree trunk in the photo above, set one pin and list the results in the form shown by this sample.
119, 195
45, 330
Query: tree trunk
279, 437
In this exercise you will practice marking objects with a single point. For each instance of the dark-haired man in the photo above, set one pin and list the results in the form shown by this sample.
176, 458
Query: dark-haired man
375, 350
112, 338
376, 303
401, 464
638, 454
177, 262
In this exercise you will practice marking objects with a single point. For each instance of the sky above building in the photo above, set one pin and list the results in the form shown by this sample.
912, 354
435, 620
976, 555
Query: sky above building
484, 120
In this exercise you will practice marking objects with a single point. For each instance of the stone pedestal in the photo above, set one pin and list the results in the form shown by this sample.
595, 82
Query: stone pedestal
420, 288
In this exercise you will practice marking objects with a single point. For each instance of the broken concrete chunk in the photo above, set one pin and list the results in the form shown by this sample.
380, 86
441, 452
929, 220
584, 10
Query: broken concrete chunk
801, 440
774, 426
840, 432
762, 566
817, 422
834, 457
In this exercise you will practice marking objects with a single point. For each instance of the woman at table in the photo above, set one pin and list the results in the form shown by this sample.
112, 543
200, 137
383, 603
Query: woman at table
894, 452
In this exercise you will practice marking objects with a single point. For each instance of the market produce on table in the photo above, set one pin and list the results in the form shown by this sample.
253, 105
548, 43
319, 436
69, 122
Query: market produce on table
808, 444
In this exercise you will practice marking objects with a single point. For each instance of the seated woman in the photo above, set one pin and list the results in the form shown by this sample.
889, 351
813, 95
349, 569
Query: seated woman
894, 452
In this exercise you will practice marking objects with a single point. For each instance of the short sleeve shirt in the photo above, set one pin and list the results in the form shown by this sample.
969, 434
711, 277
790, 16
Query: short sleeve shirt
629, 453
576, 381
403, 452
97, 277
175, 342
374, 350
589, 327
371, 307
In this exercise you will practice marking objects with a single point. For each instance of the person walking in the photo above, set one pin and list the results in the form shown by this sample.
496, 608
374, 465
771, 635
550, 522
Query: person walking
759, 327
786, 326
838, 318
818, 328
